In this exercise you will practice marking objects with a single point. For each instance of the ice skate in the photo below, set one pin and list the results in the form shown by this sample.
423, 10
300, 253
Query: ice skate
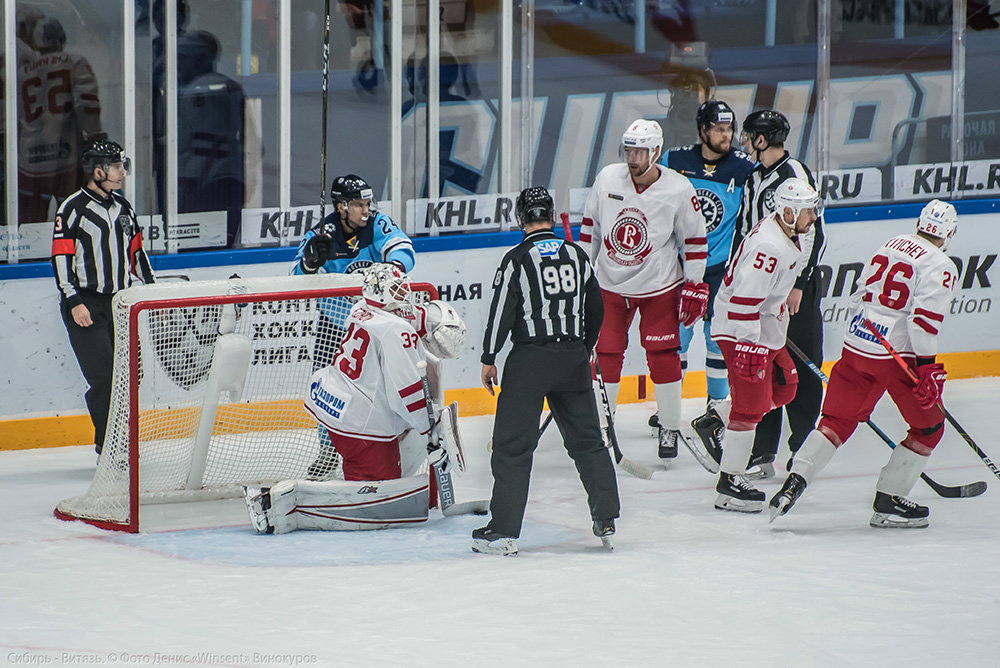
654, 424
258, 503
738, 495
605, 529
896, 512
786, 497
667, 448
487, 541
760, 467
710, 429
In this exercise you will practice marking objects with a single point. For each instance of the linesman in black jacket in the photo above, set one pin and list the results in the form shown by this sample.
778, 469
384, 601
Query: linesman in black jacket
766, 131
96, 252
547, 299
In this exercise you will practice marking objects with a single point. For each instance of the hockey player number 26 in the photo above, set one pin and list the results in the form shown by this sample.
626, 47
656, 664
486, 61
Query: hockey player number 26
895, 292
352, 352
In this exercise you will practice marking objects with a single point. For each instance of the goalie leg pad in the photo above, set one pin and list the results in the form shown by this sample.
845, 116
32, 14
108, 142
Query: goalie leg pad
449, 436
337, 505
272, 508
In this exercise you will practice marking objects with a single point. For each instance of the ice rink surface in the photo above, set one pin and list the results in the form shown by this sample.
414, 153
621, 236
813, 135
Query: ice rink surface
687, 585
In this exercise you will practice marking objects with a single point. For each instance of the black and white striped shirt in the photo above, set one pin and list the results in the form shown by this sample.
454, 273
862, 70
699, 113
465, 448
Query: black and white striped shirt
97, 245
544, 290
758, 202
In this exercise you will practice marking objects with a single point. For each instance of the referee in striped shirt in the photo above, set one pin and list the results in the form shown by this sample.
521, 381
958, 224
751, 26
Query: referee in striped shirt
547, 299
764, 134
97, 251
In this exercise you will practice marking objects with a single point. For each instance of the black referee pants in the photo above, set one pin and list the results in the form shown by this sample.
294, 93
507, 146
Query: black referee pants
94, 347
805, 329
559, 372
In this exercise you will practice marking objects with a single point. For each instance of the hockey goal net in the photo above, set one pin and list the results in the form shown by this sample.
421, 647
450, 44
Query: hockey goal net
208, 390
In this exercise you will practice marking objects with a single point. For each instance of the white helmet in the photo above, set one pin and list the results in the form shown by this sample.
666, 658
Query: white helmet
938, 219
796, 194
386, 286
642, 134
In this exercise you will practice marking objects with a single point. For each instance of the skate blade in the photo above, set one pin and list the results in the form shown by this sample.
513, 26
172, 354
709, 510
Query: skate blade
725, 502
761, 472
886, 521
607, 543
778, 509
506, 547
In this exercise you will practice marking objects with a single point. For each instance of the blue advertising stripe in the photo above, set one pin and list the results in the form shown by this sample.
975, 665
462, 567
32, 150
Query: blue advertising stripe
42, 268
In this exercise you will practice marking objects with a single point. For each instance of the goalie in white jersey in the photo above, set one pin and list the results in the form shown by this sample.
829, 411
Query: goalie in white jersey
368, 398
751, 320
903, 293
644, 232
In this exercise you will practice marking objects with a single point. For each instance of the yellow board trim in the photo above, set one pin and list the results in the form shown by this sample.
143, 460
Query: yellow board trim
47, 432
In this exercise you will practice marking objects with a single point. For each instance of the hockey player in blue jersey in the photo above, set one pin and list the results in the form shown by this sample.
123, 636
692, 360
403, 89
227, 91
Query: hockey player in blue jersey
354, 236
717, 170
351, 238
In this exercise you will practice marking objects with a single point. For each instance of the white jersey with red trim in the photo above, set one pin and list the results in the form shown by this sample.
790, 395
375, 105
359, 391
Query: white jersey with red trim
750, 305
372, 389
60, 110
635, 239
904, 290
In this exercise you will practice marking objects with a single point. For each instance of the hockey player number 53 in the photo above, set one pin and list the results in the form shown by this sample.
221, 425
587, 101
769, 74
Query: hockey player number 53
352, 352
895, 292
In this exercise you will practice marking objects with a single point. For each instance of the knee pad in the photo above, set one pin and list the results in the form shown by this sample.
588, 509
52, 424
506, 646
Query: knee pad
923, 441
836, 429
664, 365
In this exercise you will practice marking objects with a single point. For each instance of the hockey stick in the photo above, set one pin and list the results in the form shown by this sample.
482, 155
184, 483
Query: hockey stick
959, 491
940, 405
446, 490
326, 95
626, 464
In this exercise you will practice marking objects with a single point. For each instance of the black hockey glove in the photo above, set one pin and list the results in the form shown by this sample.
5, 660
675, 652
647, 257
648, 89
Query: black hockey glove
318, 250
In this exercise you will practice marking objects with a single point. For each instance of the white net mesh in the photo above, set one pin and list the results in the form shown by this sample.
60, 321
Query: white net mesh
222, 372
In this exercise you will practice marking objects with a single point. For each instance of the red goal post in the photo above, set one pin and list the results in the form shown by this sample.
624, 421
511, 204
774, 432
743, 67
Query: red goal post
208, 390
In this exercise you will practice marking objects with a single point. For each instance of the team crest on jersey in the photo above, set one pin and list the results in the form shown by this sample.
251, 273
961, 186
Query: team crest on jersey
628, 242
549, 247
711, 208
769, 199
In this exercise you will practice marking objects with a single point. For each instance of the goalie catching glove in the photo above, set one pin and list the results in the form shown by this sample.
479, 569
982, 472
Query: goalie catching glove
694, 303
444, 334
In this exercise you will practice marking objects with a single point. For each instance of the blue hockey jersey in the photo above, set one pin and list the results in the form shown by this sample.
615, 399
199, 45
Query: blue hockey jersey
719, 185
378, 241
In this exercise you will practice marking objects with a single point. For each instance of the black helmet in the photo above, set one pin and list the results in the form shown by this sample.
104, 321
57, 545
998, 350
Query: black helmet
49, 35
102, 152
351, 187
770, 124
713, 112
534, 204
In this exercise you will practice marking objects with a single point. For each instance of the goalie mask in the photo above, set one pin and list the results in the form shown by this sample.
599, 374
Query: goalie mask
445, 337
387, 287
938, 219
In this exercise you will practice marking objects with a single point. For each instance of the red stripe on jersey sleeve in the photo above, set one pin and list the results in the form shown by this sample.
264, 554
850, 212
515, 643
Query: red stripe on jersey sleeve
744, 316
696, 256
584, 238
63, 247
410, 389
924, 325
696, 240
420, 405
931, 315
745, 301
